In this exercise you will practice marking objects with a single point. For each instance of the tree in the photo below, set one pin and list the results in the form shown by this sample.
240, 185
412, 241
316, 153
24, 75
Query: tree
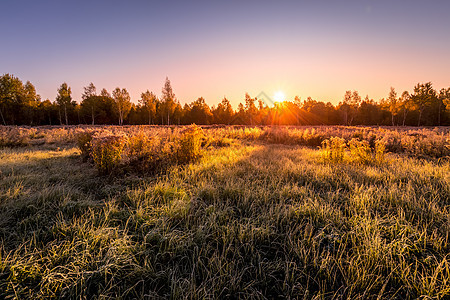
106, 108
48, 112
393, 104
200, 112
123, 103
344, 106
168, 100
444, 98
444, 95
64, 99
314, 112
349, 106
250, 109
30, 103
148, 101
105, 93
223, 114
368, 112
89, 102
178, 113
11, 99
354, 105
443, 101
404, 105
424, 95
239, 117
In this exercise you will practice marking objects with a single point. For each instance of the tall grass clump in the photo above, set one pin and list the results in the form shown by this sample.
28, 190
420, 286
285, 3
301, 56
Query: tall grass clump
107, 152
84, 140
360, 151
333, 149
379, 152
140, 150
14, 137
189, 144
337, 150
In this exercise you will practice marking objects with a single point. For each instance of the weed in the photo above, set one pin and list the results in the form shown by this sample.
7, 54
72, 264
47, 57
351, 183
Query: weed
360, 151
107, 152
333, 149
189, 144
84, 140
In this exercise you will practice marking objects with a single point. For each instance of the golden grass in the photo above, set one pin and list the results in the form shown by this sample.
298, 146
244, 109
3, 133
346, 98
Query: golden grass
253, 217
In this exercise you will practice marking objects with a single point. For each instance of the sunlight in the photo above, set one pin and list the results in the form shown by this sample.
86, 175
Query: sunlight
279, 96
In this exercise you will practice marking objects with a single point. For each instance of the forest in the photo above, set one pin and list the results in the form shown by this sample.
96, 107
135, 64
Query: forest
20, 104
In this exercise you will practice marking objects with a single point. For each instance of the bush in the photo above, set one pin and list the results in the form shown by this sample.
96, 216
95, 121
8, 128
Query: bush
148, 154
333, 149
189, 144
140, 151
84, 140
360, 151
139, 146
380, 150
14, 137
107, 152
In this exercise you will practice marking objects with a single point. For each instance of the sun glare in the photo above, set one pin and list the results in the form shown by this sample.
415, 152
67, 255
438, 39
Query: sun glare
279, 96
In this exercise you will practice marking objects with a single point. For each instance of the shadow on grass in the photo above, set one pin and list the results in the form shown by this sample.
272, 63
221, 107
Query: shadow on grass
262, 221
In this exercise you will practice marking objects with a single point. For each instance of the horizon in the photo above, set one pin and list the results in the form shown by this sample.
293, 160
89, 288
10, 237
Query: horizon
212, 50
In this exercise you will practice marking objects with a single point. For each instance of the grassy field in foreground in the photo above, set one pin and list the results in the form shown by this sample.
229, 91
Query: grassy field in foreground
255, 216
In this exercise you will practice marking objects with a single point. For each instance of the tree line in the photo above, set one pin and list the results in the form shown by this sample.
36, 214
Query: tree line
21, 105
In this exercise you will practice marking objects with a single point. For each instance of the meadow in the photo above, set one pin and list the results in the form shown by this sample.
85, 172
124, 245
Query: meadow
156, 212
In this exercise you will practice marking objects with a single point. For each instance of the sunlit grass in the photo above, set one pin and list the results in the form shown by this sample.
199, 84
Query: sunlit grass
248, 219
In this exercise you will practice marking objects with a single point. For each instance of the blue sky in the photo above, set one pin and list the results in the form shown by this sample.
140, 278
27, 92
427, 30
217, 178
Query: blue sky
226, 48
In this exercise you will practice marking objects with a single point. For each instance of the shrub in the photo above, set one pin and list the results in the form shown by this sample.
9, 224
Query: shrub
13, 137
360, 151
380, 150
139, 145
107, 152
147, 153
333, 149
189, 144
84, 140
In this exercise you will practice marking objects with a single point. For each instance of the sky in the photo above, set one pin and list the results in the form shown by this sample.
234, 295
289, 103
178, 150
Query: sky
215, 49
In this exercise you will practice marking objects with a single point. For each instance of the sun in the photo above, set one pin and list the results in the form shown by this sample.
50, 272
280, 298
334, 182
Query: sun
279, 96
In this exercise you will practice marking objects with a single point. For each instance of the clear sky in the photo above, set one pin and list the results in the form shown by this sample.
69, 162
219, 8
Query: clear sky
226, 48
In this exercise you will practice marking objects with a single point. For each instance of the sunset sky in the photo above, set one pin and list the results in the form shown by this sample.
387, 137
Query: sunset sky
227, 48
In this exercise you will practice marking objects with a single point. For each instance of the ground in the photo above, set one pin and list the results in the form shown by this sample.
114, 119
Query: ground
248, 219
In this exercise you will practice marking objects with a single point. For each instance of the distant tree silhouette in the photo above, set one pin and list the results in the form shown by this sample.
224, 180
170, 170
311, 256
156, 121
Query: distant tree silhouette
64, 100
424, 95
148, 101
443, 102
89, 104
224, 113
123, 103
168, 101
444, 95
393, 104
21, 105
405, 105
199, 112
250, 109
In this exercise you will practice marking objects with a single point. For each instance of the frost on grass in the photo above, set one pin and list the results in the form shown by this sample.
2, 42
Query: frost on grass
232, 212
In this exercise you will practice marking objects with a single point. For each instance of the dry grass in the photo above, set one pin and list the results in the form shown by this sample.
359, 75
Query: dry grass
256, 216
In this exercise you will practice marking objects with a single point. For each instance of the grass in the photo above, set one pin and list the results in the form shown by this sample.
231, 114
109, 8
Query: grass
252, 217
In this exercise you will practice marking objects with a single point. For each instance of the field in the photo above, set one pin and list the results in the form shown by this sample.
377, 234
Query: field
224, 212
